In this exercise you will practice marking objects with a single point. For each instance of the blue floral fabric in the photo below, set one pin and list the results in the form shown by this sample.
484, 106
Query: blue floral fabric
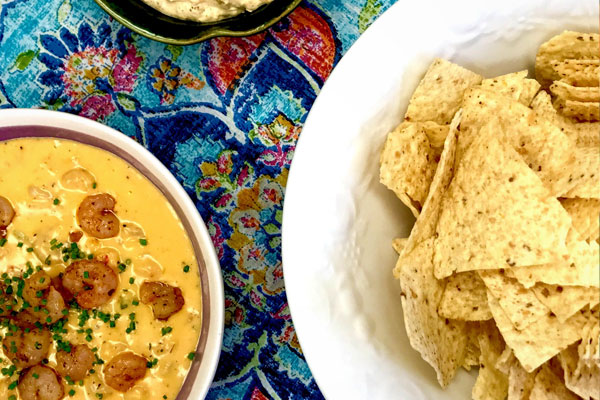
224, 116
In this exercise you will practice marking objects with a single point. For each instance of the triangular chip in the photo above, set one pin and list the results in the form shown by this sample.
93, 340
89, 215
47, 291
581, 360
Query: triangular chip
465, 298
398, 244
564, 301
547, 150
569, 92
580, 378
491, 383
424, 227
472, 352
581, 133
548, 386
407, 165
578, 110
496, 212
520, 382
579, 269
588, 348
441, 342
439, 94
567, 45
514, 85
520, 305
541, 340
436, 134
582, 73
585, 174
584, 214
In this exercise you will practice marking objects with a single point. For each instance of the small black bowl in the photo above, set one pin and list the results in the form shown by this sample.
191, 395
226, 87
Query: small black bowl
148, 22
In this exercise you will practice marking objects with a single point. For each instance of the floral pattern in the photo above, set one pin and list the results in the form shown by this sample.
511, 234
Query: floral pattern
224, 116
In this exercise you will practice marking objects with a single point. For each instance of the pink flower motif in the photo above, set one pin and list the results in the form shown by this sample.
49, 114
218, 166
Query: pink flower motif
124, 73
98, 107
224, 163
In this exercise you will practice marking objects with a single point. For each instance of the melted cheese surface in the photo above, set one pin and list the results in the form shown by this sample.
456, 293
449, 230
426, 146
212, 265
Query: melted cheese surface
46, 180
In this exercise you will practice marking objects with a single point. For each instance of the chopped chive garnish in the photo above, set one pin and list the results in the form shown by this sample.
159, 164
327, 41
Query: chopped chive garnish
3, 242
56, 202
143, 242
186, 268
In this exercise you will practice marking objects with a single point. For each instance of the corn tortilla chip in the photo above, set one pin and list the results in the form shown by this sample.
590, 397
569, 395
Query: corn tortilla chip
506, 359
425, 225
581, 133
580, 378
520, 305
514, 85
438, 96
541, 340
464, 298
564, 301
472, 352
581, 73
398, 244
584, 214
520, 382
579, 269
584, 174
407, 165
588, 348
440, 341
548, 386
578, 110
567, 45
491, 384
569, 92
547, 150
496, 213
435, 133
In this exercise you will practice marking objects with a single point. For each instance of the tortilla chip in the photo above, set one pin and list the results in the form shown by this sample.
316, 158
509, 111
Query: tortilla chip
581, 73
514, 85
564, 301
439, 94
424, 227
496, 212
579, 269
398, 244
527, 345
472, 352
569, 92
407, 165
464, 298
579, 377
584, 214
588, 348
582, 133
567, 45
435, 133
543, 146
585, 174
548, 386
506, 359
491, 383
578, 110
520, 382
441, 342
520, 305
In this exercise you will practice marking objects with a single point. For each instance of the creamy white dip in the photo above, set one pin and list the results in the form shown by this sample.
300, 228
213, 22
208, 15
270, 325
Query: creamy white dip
205, 10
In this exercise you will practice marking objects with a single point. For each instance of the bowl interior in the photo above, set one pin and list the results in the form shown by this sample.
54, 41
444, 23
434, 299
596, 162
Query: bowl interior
145, 20
170, 190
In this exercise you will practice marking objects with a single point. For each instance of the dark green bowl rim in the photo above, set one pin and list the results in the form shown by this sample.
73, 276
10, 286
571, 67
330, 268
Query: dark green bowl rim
212, 29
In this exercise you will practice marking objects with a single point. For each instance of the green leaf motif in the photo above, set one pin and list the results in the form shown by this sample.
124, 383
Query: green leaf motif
24, 59
63, 11
175, 51
271, 229
367, 15
128, 102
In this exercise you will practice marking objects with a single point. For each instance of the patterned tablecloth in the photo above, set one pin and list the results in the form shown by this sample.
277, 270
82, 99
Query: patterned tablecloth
224, 116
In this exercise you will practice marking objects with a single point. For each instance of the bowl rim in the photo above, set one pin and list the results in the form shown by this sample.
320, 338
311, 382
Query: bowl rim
105, 137
212, 31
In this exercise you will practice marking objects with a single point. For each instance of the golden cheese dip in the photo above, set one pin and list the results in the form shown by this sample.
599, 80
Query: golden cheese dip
46, 180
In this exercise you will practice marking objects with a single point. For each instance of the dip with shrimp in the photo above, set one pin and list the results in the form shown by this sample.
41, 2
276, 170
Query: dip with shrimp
100, 293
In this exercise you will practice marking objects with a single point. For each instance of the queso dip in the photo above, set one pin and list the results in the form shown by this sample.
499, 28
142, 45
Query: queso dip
100, 295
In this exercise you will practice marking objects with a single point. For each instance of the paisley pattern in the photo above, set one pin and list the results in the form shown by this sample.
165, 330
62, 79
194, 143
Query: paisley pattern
224, 116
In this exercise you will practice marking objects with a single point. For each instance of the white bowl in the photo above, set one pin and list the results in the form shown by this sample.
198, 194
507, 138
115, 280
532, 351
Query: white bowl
17, 123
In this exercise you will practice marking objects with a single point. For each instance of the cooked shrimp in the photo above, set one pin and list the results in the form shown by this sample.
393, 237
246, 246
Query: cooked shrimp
40, 383
95, 216
75, 364
164, 299
39, 292
25, 349
91, 282
7, 213
124, 370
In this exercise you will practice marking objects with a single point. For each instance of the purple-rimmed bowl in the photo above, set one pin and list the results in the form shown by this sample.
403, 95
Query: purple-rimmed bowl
19, 123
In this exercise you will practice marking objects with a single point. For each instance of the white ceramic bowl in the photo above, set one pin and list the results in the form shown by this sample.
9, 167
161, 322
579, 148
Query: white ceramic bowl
16, 123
